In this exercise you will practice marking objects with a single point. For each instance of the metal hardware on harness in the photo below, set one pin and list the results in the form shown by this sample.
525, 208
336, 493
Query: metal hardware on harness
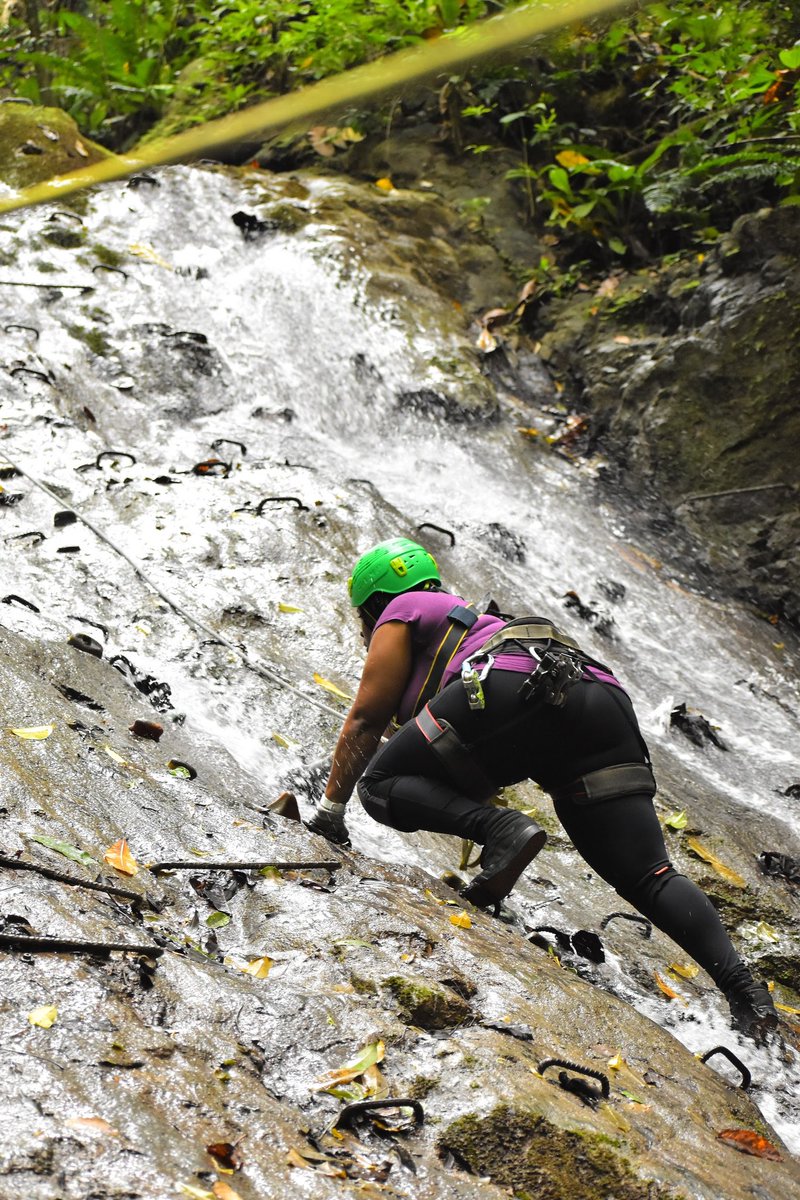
472, 680
555, 674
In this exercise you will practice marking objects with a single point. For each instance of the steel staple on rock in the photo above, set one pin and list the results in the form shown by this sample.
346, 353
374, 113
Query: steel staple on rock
602, 1079
747, 1078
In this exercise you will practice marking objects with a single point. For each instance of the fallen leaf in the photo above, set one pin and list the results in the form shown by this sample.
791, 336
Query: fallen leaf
224, 1191
259, 967
196, 1193
288, 608
148, 254
226, 1153
331, 687
766, 932
750, 1142
295, 1159
218, 920
284, 742
123, 762
529, 431
461, 920
92, 1125
630, 1096
615, 1117
120, 858
318, 136
667, 990
373, 1053
726, 873
64, 848
44, 1017
385, 184
787, 1008
677, 820
684, 970
622, 339
486, 342
616, 1063
31, 733
180, 772
571, 158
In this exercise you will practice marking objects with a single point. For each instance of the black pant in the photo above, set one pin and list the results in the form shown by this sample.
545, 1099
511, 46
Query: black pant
407, 787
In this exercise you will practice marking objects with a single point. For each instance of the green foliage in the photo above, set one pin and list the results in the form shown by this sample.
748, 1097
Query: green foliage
637, 137
113, 64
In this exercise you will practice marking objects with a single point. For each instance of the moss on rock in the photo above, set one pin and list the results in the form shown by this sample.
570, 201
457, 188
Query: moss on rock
428, 1004
522, 1150
37, 143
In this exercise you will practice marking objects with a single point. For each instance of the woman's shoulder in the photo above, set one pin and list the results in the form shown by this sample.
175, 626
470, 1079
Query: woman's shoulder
419, 607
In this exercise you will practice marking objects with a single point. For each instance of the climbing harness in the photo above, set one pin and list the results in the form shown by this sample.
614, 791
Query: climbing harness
461, 619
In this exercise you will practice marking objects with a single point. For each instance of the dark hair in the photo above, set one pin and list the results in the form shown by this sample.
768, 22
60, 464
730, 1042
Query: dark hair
372, 608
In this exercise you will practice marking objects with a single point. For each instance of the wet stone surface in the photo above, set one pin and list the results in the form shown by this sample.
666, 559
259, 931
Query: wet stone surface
269, 979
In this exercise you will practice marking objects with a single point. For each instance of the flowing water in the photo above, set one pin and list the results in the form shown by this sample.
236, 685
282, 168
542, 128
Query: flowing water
296, 365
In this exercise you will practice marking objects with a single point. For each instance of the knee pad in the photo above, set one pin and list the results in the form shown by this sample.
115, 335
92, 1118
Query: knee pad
375, 796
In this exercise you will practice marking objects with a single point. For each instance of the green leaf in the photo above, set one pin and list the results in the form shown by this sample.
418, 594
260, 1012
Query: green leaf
618, 246
218, 920
64, 848
677, 820
180, 772
560, 179
790, 58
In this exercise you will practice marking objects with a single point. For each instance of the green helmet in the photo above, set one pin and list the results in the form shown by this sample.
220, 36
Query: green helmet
394, 566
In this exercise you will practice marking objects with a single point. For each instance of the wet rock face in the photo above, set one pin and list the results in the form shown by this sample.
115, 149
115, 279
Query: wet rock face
691, 380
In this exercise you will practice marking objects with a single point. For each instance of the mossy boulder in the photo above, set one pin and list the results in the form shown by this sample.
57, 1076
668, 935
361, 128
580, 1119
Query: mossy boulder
688, 375
37, 143
427, 1003
524, 1151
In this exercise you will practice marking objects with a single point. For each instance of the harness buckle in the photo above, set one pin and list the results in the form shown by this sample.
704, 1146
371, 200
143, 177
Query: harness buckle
472, 680
555, 674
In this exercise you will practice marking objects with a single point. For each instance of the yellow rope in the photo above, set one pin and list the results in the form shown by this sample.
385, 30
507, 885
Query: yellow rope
465, 47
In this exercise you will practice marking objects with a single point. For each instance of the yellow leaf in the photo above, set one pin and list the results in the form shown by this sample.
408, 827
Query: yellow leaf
224, 1191
32, 733
148, 254
726, 873
196, 1193
571, 158
461, 920
788, 1009
288, 608
44, 1017
295, 1159
123, 762
282, 741
258, 967
120, 858
667, 990
351, 1070
331, 687
685, 970
766, 932
529, 431
616, 1063
384, 184
616, 1117
92, 1125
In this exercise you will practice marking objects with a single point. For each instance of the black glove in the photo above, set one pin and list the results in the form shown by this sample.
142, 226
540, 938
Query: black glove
328, 820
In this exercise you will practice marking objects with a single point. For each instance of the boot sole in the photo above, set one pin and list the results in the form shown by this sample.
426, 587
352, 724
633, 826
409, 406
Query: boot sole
489, 888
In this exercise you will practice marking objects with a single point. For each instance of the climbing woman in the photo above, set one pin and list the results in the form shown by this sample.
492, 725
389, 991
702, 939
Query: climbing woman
480, 702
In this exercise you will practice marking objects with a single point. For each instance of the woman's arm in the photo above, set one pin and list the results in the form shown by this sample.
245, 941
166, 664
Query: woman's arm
384, 679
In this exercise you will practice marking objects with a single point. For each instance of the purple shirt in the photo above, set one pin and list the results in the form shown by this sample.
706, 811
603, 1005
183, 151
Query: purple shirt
427, 615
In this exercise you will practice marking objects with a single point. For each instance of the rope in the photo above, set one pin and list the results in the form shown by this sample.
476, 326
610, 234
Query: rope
470, 44
266, 671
